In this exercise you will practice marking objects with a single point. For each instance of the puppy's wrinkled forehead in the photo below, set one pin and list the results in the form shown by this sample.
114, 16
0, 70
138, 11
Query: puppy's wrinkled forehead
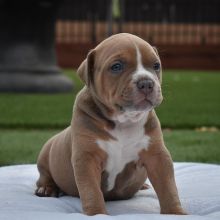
125, 46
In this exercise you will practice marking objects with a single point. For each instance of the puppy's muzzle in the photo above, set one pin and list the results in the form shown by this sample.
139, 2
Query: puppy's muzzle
145, 86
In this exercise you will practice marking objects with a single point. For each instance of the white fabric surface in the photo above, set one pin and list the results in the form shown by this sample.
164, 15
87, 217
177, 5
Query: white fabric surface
198, 185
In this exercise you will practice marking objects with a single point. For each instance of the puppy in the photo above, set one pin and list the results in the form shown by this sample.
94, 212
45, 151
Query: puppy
114, 141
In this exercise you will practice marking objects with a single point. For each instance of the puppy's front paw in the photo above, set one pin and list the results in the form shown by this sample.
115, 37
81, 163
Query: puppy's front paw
46, 191
174, 211
94, 210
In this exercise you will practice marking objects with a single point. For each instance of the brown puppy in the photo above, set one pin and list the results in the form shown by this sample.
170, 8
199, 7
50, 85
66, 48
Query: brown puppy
115, 139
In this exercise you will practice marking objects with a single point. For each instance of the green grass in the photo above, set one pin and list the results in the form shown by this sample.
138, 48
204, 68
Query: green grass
38, 110
23, 146
191, 99
193, 146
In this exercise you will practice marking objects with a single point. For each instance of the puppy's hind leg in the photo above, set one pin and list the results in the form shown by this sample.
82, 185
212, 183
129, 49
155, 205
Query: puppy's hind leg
46, 187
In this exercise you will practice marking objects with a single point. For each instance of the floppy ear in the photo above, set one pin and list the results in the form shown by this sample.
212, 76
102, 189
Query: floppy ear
86, 69
155, 49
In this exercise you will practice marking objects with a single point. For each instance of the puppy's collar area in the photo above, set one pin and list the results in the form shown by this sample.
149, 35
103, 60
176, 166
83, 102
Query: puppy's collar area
129, 117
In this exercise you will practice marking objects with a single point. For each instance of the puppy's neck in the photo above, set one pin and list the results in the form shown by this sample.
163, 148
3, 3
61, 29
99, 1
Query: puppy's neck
131, 117
104, 109
126, 117
97, 110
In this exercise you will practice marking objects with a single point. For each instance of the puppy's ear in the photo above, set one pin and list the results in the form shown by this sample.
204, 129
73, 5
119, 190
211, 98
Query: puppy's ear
86, 69
155, 49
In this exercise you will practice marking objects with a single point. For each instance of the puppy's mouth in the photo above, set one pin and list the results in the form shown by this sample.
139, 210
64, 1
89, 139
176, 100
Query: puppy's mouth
137, 105
144, 104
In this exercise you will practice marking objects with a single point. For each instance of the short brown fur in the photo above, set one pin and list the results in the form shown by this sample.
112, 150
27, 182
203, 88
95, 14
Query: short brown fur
72, 161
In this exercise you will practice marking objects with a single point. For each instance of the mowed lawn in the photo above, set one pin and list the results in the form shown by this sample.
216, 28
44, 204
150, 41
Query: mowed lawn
191, 101
23, 146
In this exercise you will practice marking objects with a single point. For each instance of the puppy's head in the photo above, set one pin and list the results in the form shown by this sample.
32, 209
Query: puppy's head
124, 73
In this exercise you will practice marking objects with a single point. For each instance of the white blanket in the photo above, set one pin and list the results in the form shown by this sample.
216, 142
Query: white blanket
198, 185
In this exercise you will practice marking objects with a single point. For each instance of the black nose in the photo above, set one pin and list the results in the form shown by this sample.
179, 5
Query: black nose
145, 85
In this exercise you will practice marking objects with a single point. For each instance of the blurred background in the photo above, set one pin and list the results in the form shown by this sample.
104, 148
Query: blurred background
43, 42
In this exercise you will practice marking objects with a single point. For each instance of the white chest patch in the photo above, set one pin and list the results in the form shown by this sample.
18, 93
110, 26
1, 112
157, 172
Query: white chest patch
130, 140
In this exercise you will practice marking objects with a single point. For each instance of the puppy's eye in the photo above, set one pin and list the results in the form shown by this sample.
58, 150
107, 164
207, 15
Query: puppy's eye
117, 67
156, 66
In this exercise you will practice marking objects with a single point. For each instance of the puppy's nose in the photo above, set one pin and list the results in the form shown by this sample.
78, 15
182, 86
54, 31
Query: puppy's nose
145, 85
